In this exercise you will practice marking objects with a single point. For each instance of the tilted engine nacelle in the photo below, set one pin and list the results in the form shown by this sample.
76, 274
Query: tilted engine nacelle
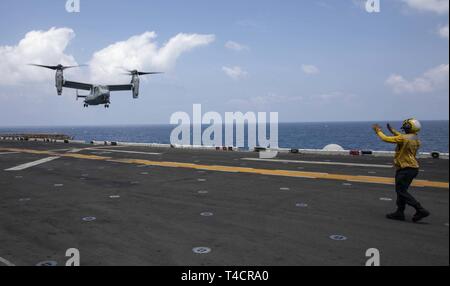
59, 81
59, 76
135, 89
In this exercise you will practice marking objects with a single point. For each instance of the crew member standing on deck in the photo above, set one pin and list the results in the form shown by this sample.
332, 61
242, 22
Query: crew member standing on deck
406, 165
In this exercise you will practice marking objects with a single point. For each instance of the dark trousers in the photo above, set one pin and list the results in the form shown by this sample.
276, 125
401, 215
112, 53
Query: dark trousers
403, 179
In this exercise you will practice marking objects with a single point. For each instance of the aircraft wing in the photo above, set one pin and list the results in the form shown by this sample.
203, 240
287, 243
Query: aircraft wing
77, 85
120, 87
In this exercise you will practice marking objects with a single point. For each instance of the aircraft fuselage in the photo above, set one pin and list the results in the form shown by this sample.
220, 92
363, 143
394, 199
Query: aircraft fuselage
100, 95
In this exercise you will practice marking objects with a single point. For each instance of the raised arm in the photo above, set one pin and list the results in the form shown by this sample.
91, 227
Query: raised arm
393, 130
388, 139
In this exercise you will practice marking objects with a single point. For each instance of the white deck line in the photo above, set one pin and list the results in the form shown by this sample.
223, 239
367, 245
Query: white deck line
32, 164
6, 262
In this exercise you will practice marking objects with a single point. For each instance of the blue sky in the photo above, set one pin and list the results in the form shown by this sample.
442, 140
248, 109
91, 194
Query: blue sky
326, 60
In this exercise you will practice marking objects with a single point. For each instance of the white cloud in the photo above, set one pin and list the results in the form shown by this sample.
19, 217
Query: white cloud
39, 47
48, 48
436, 6
443, 32
235, 73
310, 69
234, 46
142, 52
431, 80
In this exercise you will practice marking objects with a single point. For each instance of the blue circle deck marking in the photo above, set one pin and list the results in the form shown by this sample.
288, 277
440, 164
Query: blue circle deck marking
338, 237
201, 250
89, 218
47, 263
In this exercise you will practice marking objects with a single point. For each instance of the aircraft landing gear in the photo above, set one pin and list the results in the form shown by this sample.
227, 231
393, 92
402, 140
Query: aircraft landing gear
86, 105
106, 105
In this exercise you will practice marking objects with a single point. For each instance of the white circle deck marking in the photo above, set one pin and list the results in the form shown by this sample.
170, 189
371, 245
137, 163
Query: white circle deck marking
135, 183
19, 177
347, 184
285, 189
372, 172
203, 192
24, 200
89, 218
446, 224
207, 214
58, 185
338, 237
201, 250
85, 175
301, 205
144, 173
386, 199
201, 180
47, 263
114, 197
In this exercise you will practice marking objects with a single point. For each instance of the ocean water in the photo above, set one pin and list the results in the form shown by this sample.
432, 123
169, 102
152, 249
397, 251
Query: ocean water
349, 135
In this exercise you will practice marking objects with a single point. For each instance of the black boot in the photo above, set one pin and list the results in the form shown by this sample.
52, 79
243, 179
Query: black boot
420, 214
398, 215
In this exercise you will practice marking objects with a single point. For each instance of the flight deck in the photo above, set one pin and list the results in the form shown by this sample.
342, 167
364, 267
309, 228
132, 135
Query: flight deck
129, 205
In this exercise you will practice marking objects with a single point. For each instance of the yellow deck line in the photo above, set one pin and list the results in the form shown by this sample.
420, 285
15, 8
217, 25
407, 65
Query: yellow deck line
234, 169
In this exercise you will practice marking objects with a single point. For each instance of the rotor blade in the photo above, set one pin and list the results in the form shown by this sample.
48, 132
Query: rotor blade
146, 73
70, 67
47, 67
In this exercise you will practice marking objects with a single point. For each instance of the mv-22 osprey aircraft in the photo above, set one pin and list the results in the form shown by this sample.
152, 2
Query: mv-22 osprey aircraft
99, 94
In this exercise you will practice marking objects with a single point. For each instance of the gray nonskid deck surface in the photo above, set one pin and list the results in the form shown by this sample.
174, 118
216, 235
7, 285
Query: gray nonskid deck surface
154, 214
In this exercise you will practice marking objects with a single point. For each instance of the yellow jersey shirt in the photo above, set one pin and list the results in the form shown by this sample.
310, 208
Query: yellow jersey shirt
407, 148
